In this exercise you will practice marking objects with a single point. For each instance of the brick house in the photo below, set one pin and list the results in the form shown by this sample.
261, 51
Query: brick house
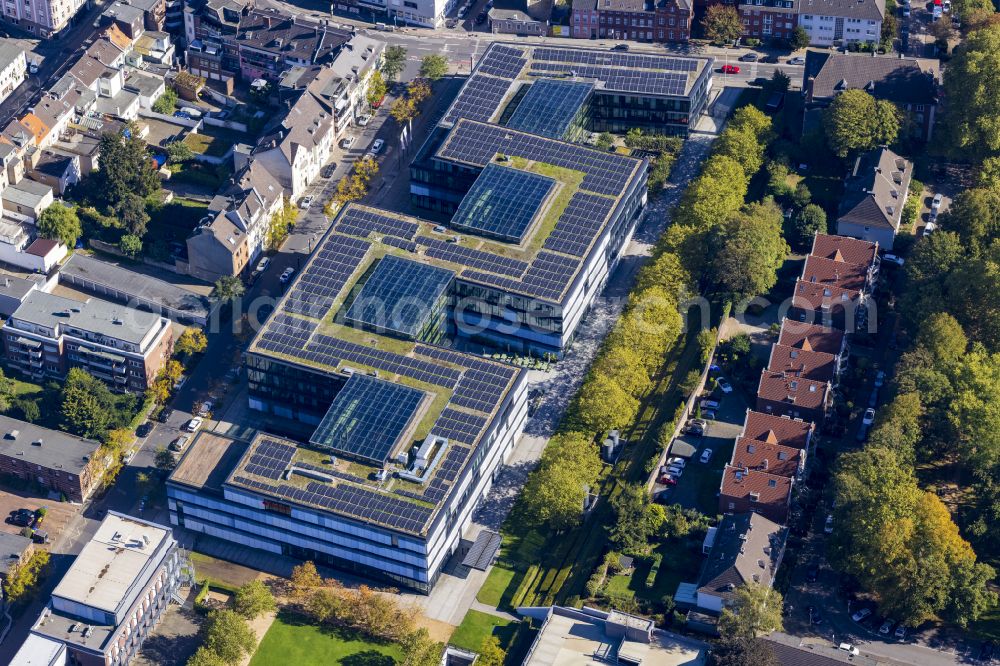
755, 491
802, 363
784, 394
658, 21
769, 19
54, 459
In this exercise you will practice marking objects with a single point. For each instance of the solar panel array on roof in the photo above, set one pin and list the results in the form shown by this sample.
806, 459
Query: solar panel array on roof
502, 202
579, 223
467, 256
480, 98
615, 59
400, 296
367, 418
270, 459
326, 274
329, 350
479, 143
622, 80
503, 61
364, 221
550, 107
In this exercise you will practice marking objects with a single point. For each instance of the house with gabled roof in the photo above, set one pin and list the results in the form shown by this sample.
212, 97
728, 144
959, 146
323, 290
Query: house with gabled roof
801, 363
874, 195
748, 548
784, 394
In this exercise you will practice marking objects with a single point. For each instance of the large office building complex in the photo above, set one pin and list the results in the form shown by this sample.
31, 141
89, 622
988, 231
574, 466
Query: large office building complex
110, 599
369, 347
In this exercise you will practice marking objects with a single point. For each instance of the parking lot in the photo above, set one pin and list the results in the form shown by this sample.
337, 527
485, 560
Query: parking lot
58, 516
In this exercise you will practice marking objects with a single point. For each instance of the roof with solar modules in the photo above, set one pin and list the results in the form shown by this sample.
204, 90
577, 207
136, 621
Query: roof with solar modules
504, 68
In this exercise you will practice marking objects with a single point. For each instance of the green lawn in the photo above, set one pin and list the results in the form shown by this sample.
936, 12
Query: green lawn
292, 640
492, 591
23, 389
477, 626
681, 562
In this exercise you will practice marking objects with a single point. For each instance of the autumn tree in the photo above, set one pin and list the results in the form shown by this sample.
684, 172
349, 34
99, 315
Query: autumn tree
855, 122
722, 24
419, 649
750, 251
305, 579
253, 599
60, 223
755, 610
403, 110
490, 652
555, 490
376, 88
228, 636
636, 518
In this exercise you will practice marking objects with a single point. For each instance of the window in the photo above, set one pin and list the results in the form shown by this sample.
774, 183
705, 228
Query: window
772, 483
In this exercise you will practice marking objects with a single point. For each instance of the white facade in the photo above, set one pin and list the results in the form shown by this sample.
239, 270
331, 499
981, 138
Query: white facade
13, 68
43, 18
826, 30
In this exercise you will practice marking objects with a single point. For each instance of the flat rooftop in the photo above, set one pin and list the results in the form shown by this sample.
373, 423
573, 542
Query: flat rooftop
505, 67
208, 461
39, 651
110, 563
51, 449
111, 320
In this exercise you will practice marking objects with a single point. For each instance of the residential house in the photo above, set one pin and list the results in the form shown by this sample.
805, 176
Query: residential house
520, 17
235, 233
758, 491
271, 42
826, 304
149, 87
15, 550
815, 338
64, 463
784, 394
770, 456
909, 83
25, 201
660, 21
801, 363
13, 291
834, 22
783, 430
769, 19
210, 28
112, 597
20, 247
748, 549
874, 195
847, 250
296, 151
124, 347
13, 67
153, 46
47, 19
54, 168
135, 16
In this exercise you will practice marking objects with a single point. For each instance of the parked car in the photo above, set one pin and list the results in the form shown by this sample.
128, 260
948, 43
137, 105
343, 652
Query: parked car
936, 201
862, 433
849, 649
708, 414
797, 60
886, 627
347, 142
828, 524
929, 228
724, 385
880, 379
861, 614
377, 146
263, 264
730, 69
481, 18
708, 403
869, 417
165, 414
695, 429
369, 156
329, 169
22, 518
706, 455
127, 457
306, 202
900, 632
194, 424
620, 47
749, 57
363, 120
144, 429
893, 259
286, 275
677, 461
180, 443
668, 480
206, 408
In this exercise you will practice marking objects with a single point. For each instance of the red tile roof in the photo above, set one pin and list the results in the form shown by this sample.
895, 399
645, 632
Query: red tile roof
41, 247
765, 456
842, 248
811, 337
776, 429
837, 273
802, 363
791, 390
814, 296
767, 493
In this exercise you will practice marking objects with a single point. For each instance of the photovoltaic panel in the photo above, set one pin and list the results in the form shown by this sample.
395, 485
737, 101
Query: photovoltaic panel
503, 61
367, 418
502, 203
622, 80
549, 107
329, 350
358, 221
615, 59
270, 459
400, 296
579, 224
466, 256
452, 464
480, 98
326, 274
459, 426
378, 507
478, 390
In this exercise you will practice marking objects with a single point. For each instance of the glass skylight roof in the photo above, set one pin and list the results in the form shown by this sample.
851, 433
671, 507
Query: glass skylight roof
502, 203
549, 107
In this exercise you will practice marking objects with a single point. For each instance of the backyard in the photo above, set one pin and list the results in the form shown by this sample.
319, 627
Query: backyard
477, 626
295, 640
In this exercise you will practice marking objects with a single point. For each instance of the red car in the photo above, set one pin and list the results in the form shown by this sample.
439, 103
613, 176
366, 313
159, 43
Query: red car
730, 69
668, 480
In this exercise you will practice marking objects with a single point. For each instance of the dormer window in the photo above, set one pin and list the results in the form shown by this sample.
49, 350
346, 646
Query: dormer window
772, 483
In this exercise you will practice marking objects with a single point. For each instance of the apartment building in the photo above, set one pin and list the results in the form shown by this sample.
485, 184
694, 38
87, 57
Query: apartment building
111, 598
210, 28
769, 19
47, 335
829, 22
64, 463
46, 18
657, 21
748, 548
270, 42
875, 193
13, 67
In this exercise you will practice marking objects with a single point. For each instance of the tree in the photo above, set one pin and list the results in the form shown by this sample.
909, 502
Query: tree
605, 141
191, 341
376, 89
419, 649
900, 426
636, 519
228, 635
130, 245
393, 61
855, 121
132, 212
602, 404
7, 390
418, 90
780, 82
743, 146
126, 167
973, 92
253, 599
365, 169
714, 196
974, 213
722, 24
433, 67
800, 38
61, 223
87, 405
119, 439
755, 610
205, 657
167, 102
809, 221
305, 579
890, 27
751, 249
280, 224
228, 288
21, 583
179, 152
944, 338
554, 492
490, 652
743, 652
403, 110
164, 459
